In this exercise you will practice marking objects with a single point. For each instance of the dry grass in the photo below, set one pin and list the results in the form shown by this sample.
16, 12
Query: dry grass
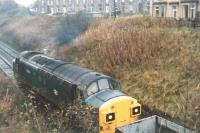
6, 103
30, 116
35, 118
130, 41
156, 61
6, 99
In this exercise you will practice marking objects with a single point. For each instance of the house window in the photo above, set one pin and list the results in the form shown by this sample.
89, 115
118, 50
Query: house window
186, 12
57, 2
174, 11
64, 2
48, 2
52, 11
107, 9
43, 10
64, 10
91, 9
92, 1
56, 10
52, 2
107, 1
42, 2
70, 2
157, 11
193, 11
131, 8
162, 11
100, 6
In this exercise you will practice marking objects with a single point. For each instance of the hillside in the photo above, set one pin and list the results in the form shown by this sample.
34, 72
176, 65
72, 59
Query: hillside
25, 30
156, 61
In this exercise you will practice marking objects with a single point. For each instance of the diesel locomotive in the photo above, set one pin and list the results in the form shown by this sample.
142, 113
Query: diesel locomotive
62, 83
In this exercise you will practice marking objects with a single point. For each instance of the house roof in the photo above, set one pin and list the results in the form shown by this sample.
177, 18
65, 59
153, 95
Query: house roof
189, 1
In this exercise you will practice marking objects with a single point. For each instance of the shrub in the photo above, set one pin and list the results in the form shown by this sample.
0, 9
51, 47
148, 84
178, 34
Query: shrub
72, 26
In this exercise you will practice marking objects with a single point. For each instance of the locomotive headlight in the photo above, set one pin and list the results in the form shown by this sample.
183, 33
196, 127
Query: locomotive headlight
136, 110
110, 117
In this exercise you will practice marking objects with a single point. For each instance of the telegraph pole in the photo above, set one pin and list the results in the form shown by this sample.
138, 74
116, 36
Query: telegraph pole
114, 6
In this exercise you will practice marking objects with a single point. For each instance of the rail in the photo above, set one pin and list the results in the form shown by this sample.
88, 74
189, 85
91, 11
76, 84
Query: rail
7, 54
8, 49
6, 67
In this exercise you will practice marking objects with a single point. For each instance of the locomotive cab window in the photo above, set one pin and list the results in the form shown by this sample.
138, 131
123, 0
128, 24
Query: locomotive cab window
92, 89
114, 85
108, 84
103, 84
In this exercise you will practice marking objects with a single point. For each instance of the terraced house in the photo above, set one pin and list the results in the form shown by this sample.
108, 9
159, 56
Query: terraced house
96, 7
179, 9
58, 6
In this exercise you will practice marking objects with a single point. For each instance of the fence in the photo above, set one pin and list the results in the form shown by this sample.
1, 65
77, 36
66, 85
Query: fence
189, 23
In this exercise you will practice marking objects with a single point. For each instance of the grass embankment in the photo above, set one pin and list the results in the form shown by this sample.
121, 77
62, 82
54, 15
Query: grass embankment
28, 115
156, 61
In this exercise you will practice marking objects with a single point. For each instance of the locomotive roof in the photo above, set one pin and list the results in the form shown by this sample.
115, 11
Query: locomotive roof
82, 77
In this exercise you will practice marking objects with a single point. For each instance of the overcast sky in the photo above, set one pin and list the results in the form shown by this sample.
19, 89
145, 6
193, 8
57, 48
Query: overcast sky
25, 3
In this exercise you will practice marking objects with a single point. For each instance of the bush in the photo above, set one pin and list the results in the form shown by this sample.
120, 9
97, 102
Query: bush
40, 117
72, 26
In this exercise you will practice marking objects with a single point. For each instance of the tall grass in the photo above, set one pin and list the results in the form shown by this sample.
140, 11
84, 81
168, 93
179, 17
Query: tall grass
130, 41
6, 99
156, 61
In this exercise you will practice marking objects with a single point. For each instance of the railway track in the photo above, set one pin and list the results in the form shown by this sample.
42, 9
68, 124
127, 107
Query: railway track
7, 54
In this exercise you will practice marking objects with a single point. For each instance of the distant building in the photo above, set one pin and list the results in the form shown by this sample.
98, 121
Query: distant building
58, 6
95, 7
179, 9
